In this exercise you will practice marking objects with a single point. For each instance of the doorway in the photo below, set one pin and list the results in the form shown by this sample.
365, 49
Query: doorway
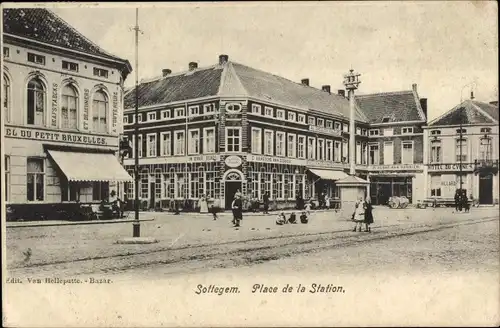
152, 195
231, 188
486, 189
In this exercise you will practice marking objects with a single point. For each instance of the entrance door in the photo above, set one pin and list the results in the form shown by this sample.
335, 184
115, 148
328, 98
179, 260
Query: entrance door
486, 189
152, 195
231, 188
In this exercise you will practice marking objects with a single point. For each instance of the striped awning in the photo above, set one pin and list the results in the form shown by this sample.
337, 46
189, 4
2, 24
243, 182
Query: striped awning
79, 166
328, 174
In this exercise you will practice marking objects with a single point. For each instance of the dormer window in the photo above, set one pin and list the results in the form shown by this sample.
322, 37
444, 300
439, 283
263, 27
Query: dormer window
139, 118
386, 119
435, 132
320, 122
338, 126
256, 109
37, 59
374, 132
407, 130
152, 116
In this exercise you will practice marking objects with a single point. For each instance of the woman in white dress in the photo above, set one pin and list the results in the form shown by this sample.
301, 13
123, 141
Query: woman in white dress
203, 204
359, 215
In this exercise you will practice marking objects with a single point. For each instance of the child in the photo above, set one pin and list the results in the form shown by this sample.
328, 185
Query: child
292, 219
308, 208
214, 210
281, 219
303, 218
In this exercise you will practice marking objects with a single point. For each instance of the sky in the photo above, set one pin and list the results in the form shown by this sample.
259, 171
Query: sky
440, 46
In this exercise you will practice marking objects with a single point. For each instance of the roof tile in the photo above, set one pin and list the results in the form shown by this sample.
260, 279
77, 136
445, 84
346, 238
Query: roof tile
465, 113
394, 106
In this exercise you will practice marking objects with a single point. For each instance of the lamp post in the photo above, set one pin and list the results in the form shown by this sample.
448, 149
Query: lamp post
351, 82
136, 224
460, 132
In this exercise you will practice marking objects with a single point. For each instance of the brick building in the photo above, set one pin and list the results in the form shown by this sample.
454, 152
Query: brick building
475, 149
62, 112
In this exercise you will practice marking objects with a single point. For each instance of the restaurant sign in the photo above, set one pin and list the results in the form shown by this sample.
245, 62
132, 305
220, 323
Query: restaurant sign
396, 167
295, 161
57, 136
451, 167
320, 129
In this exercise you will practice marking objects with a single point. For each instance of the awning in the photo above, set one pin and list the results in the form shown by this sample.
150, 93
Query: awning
329, 174
89, 166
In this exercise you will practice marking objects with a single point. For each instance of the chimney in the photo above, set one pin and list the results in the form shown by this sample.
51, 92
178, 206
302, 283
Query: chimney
423, 104
193, 66
414, 87
166, 72
472, 95
326, 88
223, 59
305, 82
341, 93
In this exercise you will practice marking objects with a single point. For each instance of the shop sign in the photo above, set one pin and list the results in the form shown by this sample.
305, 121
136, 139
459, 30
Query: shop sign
450, 167
394, 167
55, 107
86, 99
74, 138
324, 164
175, 159
321, 129
202, 158
233, 161
272, 159
115, 111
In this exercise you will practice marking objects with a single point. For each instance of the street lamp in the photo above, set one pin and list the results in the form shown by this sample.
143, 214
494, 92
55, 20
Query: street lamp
351, 82
136, 224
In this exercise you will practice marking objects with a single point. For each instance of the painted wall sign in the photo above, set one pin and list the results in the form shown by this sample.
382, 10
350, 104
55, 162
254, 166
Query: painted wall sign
86, 97
115, 112
55, 109
45, 135
450, 167
233, 161
396, 167
176, 159
321, 129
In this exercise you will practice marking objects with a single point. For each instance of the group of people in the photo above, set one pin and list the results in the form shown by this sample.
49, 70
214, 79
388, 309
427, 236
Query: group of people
281, 219
363, 214
461, 201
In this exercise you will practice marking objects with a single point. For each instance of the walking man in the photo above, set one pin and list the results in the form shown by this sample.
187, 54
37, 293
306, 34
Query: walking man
237, 208
265, 199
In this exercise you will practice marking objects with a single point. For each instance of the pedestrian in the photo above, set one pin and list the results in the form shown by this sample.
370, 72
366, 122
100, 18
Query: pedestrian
237, 208
458, 205
359, 215
303, 218
281, 219
203, 204
327, 202
465, 202
265, 199
308, 208
293, 218
368, 214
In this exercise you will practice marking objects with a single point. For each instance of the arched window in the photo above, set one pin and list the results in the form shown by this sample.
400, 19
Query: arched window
69, 108
6, 98
100, 112
36, 102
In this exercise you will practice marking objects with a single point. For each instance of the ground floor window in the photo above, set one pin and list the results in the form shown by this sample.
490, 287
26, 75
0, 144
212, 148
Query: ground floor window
7, 178
35, 179
435, 186
70, 190
144, 184
100, 190
383, 188
129, 186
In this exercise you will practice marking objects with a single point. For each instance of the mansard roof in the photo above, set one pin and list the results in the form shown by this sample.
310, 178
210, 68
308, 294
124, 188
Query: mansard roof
468, 112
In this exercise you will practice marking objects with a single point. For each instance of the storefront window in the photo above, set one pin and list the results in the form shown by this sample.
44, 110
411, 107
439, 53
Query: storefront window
36, 103
180, 186
70, 191
144, 184
158, 183
194, 191
69, 108
210, 184
35, 179
129, 186
100, 112
7, 178
100, 190
435, 185
255, 185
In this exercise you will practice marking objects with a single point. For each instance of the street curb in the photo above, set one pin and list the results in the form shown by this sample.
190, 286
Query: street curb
137, 241
71, 223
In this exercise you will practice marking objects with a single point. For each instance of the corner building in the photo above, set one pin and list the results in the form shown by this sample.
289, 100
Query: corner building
62, 112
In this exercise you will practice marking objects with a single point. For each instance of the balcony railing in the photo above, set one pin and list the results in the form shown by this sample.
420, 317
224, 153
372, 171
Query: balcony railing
486, 166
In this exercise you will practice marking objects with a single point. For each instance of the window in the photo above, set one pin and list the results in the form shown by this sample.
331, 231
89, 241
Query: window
485, 149
180, 112
358, 131
463, 178
35, 179
139, 148
358, 152
329, 150
268, 142
37, 59
69, 108
179, 186
386, 119
463, 131
100, 111
70, 190
279, 185
152, 116
407, 152
100, 190
131, 119
321, 149
461, 150
151, 145
194, 142
139, 118
280, 114
301, 118
36, 102
194, 110
194, 185
485, 130
301, 147
373, 154
179, 143
233, 108
69, 66
209, 140
345, 151
388, 153
388, 132
329, 124
364, 153
436, 151
374, 132
311, 121
166, 144
291, 147
6, 52
210, 184
165, 114
6, 98
280, 143
256, 109
311, 148
337, 151
407, 130
345, 127
125, 120
144, 179
291, 116
268, 111
435, 186
7, 178
337, 125
320, 122
233, 139
256, 141
363, 132
100, 72
209, 108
